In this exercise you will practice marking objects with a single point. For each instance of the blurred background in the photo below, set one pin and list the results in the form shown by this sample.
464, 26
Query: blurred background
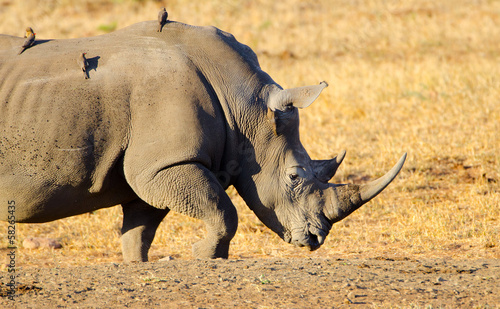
405, 76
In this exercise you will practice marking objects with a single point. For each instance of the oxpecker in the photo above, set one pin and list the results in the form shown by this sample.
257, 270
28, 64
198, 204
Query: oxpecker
162, 18
30, 39
82, 62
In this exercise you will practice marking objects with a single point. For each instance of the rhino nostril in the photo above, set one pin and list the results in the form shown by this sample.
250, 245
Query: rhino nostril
298, 243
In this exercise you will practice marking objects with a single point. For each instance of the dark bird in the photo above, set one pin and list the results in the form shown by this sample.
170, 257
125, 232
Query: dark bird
83, 63
30, 39
162, 18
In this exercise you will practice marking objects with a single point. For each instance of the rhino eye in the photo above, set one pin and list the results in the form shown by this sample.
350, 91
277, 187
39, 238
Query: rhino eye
295, 174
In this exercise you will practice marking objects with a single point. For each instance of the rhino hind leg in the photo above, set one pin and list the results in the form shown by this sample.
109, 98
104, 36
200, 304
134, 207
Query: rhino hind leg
140, 222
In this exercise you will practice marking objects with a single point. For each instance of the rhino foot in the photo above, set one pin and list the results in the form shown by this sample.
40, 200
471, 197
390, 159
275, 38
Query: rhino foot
208, 249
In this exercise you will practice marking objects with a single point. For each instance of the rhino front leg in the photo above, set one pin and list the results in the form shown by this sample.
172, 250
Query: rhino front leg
140, 222
193, 190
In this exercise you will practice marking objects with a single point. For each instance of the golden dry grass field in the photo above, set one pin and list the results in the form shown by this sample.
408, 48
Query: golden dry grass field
421, 77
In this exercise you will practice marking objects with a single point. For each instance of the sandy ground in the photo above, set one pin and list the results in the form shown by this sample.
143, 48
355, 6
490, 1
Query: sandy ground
262, 283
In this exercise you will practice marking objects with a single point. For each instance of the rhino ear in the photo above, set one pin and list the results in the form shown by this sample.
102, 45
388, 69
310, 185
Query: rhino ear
272, 120
324, 170
300, 97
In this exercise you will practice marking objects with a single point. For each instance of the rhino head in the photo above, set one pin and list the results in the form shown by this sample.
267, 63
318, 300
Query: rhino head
287, 190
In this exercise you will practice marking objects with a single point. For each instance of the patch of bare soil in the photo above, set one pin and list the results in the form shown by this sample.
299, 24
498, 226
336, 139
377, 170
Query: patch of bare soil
262, 283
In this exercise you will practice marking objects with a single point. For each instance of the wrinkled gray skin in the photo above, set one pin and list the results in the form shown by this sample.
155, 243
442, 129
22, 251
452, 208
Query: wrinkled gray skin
167, 121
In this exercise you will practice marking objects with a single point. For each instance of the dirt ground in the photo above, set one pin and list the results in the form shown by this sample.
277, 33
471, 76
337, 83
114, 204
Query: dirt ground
262, 283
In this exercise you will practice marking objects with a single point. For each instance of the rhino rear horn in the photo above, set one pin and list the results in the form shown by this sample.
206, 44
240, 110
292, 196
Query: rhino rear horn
300, 97
324, 170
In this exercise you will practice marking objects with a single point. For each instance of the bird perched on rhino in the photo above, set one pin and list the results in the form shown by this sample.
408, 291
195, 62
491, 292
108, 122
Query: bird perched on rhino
30, 40
162, 18
29, 30
83, 63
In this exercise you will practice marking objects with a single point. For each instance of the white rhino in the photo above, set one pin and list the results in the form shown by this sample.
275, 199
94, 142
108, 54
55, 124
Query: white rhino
166, 121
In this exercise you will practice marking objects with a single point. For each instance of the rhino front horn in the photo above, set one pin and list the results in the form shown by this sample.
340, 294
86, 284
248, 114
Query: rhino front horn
348, 198
370, 190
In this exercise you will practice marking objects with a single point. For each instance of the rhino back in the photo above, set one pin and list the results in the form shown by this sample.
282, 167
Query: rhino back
64, 138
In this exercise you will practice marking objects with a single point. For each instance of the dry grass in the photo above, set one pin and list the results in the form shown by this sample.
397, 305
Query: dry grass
405, 76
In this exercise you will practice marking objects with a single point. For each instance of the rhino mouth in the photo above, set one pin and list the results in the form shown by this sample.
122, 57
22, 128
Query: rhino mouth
312, 238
